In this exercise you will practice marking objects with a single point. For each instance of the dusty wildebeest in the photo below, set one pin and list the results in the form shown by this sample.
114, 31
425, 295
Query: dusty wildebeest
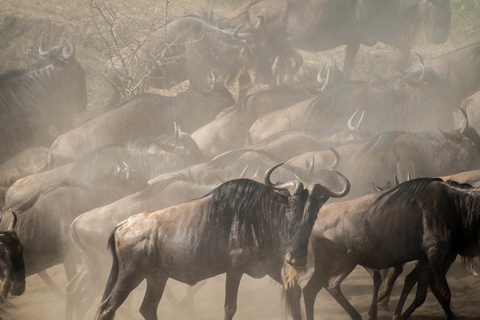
89, 233
50, 92
253, 228
12, 266
455, 75
140, 116
322, 25
422, 154
192, 48
423, 219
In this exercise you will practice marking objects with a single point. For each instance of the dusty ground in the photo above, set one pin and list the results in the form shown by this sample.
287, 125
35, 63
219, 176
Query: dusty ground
258, 299
21, 28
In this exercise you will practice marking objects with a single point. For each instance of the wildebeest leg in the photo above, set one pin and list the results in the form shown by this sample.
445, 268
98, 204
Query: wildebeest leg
377, 281
384, 295
311, 289
231, 293
350, 53
422, 287
439, 266
155, 285
50, 283
433, 286
408, 284
334, 289
124, 284
243, 83
293, 295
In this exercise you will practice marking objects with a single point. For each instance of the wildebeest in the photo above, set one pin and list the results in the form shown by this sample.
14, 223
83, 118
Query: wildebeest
145, 160
455, 75
12, 266
140, 116
191, 48
44, 218
240, 227
89, 232
229, 130
422, 154
327, 113
321, 25
423, 219
50, 92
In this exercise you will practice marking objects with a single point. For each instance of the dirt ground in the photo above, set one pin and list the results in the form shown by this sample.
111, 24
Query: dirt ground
258, 299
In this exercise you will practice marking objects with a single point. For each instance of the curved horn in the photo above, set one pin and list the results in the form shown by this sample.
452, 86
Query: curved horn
344, 192
259, 23
395, 179
12, 225
244, 171
127, 167
409, 177
311, 167
326, 81
296, 186
41, 50
268, 173
465, 123
237, 29
424, 72
176, 134
350, 125
337, 160
68, 53
320, 73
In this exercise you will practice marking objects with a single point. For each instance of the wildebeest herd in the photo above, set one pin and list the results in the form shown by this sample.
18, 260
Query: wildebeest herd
181, 186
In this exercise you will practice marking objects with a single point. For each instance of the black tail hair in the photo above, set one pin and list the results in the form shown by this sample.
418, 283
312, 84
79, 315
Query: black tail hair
112, 279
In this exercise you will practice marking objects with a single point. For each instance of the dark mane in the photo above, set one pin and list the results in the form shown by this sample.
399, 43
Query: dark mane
463, 186
333, 97
407, 191
384, 140
243, 205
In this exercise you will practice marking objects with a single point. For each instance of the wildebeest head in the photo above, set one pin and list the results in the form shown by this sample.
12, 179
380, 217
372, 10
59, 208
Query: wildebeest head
302, 205
73, 81
12, 267
436, 16
256, 49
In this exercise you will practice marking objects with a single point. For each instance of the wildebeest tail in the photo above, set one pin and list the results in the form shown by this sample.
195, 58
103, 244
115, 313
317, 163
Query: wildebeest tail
112, 279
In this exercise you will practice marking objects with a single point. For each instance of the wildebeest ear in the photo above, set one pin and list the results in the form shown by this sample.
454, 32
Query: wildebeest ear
277, 197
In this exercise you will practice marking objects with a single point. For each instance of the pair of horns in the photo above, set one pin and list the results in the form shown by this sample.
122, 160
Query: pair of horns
297, 185
67, 52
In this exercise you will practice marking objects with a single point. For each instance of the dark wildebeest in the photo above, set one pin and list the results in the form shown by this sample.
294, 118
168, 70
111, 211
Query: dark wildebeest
50, 92
322, 25
259, 228
140, 116
327, 113
455, 75
423, 219
191, 48
422, 154
12, 267
89, 232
